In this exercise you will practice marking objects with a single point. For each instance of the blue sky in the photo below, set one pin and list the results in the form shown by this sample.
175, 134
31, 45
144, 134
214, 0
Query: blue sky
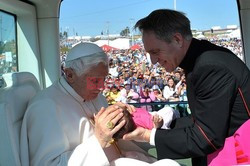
91, 17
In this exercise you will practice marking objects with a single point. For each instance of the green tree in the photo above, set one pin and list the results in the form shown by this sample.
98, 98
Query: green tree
9, 46
125, 32
64, 49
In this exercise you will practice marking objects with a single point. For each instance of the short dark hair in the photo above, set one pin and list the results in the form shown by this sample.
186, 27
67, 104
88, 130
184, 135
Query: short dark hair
165, 23
128, 127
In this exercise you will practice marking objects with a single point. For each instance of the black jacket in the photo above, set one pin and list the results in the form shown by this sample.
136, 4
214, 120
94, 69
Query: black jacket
213, 76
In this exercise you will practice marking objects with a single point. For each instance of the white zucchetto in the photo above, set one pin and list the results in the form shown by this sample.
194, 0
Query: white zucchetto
83, 49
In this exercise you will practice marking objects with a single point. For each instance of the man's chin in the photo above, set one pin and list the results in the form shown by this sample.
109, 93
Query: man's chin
168, 69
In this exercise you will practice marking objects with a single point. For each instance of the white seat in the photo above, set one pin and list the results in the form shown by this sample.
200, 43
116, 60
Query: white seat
20, 89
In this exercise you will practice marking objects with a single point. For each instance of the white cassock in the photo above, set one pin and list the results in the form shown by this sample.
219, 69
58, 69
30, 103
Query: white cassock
56, 131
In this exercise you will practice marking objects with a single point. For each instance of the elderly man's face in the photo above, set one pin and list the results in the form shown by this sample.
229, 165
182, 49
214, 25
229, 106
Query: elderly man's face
89, 84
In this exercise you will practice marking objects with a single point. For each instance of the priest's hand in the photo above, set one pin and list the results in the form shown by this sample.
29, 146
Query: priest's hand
105, 124
157, 121
139, 134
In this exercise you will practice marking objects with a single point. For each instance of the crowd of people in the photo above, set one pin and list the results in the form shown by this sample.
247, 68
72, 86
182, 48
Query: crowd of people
133, 78
233, 44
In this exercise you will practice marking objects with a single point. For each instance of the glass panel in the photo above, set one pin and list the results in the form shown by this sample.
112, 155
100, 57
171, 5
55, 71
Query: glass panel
8, 46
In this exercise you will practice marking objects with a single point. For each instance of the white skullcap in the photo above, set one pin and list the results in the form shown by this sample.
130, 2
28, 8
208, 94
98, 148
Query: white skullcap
83, 49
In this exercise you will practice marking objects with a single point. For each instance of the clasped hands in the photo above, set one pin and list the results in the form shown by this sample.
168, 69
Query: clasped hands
107, 124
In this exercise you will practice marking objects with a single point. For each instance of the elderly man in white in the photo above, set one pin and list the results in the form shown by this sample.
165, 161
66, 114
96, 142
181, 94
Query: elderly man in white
70, 123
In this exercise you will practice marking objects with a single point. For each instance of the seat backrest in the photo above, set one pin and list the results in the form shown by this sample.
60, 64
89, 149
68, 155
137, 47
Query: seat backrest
20, 89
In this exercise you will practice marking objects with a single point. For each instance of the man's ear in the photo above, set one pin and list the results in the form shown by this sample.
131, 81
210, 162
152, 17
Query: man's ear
178, 39
70, 75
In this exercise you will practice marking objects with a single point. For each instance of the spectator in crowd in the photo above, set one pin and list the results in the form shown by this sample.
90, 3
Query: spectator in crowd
158, 97
170, 91
177, 76
158, 94
182, 92
113, 95
159, 81
113, 70
136, 86
146, 96
121, 86
151, 80
128, 95
214, 75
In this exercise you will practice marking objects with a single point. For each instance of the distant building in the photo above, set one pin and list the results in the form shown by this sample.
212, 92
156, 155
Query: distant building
216, 28
232, 26
110, 36
79, 38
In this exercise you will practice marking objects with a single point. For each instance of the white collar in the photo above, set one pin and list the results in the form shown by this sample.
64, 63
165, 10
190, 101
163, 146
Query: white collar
67, 88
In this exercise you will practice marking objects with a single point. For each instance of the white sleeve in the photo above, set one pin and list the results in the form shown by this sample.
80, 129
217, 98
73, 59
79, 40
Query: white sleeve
152, 137
45, 142
167, 114
131, 161
88, 153
42, 139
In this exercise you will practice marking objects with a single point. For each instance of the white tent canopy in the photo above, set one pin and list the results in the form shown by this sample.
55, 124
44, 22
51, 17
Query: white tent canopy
120, 43
102, 42
200, 36
235, 34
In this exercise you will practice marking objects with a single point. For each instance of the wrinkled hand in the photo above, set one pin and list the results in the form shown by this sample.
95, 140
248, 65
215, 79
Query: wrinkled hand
102, 132
139, 134
130, 108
